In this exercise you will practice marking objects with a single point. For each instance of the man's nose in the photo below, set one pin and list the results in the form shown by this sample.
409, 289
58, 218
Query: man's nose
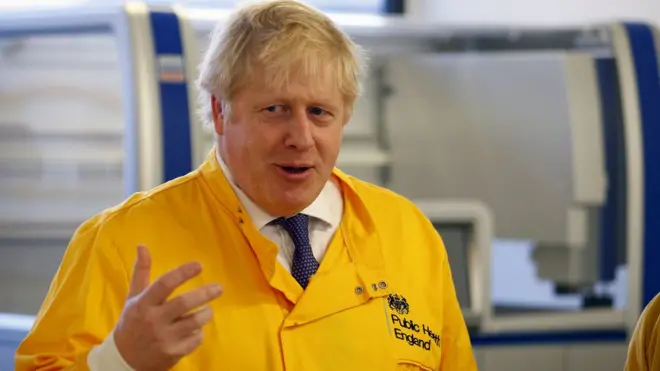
299, 134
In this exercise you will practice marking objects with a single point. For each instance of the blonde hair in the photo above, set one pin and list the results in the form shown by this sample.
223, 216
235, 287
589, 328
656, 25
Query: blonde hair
284, 37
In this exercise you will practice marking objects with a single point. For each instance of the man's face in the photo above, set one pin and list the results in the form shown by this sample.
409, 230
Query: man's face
281, 145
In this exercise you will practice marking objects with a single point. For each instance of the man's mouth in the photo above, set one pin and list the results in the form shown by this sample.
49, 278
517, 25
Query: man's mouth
295, 169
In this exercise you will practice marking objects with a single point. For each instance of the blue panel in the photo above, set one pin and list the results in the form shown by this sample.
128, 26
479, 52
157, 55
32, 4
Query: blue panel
540, 338
613, 216
394, 7
648, 89
175, 111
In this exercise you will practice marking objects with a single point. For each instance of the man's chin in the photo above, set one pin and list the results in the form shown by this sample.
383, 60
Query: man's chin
292, 202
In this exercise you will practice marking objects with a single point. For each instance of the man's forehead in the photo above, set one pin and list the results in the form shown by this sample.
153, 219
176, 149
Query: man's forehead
297, 89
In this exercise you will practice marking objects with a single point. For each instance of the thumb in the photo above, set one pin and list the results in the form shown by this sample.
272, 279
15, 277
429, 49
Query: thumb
141, 271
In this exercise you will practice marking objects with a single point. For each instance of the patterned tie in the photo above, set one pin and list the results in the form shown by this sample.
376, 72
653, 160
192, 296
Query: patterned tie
304, 263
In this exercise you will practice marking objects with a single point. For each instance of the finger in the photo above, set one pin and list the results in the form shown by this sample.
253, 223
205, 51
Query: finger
192, 322
188, 301
188, 344
141, 271
163, 287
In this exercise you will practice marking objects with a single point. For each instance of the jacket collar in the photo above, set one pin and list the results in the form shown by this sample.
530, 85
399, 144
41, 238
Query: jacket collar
357, 224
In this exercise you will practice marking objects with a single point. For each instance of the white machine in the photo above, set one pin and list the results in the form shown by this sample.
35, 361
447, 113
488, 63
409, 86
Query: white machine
540, 136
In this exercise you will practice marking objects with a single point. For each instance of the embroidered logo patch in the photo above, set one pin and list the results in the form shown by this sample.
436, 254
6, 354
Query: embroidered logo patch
406, 329
398, 303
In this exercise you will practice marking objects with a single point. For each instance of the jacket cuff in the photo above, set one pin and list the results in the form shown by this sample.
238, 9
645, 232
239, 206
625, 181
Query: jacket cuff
106, 357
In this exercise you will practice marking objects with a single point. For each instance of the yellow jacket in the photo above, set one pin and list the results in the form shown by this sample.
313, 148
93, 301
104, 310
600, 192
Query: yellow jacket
382, 299
642, 354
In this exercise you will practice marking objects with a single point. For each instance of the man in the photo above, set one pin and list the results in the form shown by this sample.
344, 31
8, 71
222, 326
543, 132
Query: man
266, 257
645, 340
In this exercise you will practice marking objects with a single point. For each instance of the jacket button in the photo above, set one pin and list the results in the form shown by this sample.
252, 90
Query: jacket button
374, 287
359, 290
382, 285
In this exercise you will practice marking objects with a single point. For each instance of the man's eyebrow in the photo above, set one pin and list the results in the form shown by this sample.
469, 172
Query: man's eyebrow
328, 106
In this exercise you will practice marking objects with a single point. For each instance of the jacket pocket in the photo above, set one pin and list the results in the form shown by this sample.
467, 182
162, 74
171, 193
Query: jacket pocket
409, 365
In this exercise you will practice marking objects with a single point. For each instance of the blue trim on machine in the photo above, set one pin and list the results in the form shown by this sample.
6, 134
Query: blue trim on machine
645, 59
394, 7
613, 215
541, 338
175, 111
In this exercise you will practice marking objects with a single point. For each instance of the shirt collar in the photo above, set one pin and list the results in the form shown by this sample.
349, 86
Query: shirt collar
327, 207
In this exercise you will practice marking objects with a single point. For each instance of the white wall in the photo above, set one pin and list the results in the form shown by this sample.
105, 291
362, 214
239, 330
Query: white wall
537, 12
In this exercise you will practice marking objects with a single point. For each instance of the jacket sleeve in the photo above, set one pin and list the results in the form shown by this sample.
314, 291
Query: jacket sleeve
82, 305
457, 353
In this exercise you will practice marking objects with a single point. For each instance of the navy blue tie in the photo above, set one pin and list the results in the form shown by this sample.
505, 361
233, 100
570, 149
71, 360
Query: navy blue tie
304, 263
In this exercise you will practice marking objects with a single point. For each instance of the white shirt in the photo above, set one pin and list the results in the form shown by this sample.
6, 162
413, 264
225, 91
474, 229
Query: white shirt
325, 215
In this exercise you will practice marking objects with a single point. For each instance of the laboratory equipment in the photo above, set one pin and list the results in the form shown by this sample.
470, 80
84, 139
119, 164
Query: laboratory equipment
549, 132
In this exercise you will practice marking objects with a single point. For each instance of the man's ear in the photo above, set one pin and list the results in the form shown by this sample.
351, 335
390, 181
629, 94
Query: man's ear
218, 115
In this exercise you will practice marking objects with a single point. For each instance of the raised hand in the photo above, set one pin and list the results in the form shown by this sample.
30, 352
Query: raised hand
154, 333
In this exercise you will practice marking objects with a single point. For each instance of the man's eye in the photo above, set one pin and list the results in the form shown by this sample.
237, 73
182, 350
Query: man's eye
273, 109
317, 111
